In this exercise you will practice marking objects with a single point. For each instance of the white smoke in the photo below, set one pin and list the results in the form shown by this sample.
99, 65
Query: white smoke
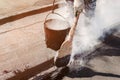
66, 10
89, 30
56, 24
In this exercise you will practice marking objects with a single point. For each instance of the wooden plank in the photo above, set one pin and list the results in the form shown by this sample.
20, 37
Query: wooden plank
25, 13
11, 7
24, 47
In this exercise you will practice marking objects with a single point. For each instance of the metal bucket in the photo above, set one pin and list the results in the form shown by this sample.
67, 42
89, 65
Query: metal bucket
55, 37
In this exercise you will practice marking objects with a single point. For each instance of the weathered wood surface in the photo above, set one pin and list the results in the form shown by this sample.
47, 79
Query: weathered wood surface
13, 7
22, 45
27, 11
22, 48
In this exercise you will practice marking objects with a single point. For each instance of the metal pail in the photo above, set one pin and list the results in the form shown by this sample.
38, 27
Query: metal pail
54, 36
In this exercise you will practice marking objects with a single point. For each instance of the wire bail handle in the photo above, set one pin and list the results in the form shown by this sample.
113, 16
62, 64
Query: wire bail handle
53, 12
53, 6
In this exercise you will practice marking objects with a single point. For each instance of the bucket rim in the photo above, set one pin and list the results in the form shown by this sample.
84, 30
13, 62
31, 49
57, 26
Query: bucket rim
45, 25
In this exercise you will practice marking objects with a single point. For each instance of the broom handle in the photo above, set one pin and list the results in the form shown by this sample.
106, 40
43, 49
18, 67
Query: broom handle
73, 28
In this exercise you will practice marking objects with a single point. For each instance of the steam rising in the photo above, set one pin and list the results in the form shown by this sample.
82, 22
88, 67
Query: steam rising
66, 12
91, 28
56, 24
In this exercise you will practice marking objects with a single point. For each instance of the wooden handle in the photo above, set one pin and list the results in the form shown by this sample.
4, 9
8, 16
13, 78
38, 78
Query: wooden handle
73, 28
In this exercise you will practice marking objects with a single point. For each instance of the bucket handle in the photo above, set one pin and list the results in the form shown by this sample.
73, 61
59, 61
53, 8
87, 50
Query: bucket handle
53, 12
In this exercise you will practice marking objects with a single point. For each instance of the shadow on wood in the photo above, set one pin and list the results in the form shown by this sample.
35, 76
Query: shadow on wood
87, 72
29, 13
28, 73
82, 73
